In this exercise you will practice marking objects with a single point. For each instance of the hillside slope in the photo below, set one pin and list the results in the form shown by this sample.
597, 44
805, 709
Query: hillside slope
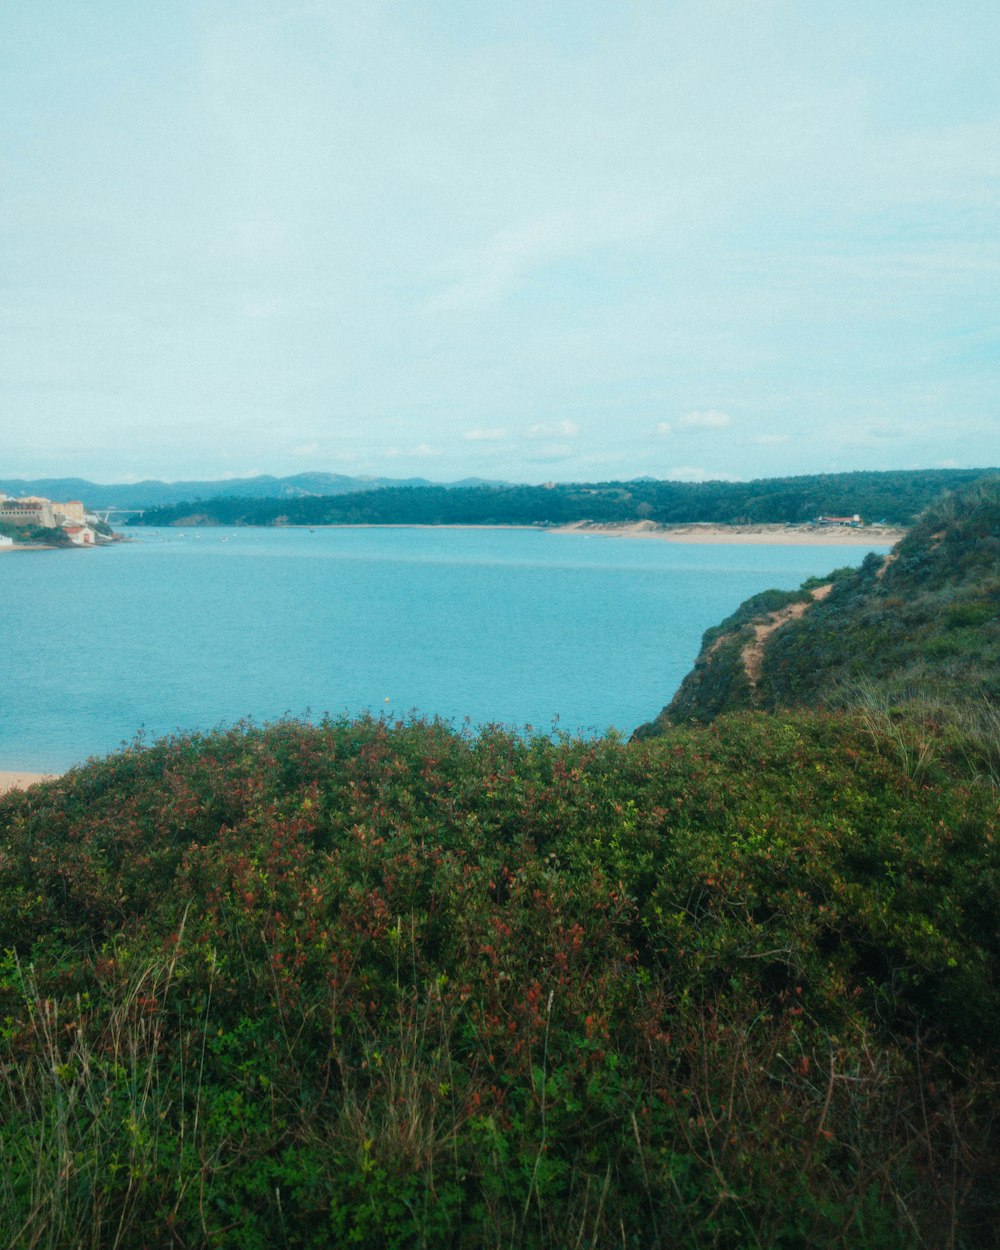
921, 625
150, 493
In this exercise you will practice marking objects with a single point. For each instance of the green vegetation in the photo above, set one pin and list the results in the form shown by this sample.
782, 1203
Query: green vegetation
915, 634
895, 497
36, 534
731, 985
383, 985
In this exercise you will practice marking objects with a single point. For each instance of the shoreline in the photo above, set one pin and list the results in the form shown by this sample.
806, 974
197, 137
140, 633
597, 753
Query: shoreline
22, 780
710, 532
688, 532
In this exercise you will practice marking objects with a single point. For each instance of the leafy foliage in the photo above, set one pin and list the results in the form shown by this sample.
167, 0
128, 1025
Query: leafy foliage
921, 627
391, 985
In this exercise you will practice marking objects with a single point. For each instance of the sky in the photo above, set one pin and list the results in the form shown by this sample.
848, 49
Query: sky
525, 240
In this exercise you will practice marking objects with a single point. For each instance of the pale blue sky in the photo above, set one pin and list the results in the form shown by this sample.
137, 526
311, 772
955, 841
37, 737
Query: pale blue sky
517, 239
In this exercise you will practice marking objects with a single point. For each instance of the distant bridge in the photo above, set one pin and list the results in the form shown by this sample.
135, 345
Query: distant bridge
105, 514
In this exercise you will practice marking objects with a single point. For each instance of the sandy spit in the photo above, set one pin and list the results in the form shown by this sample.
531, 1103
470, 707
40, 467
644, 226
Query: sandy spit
783, 535
21, 781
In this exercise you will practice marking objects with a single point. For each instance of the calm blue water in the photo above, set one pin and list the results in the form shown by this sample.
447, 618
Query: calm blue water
191, 629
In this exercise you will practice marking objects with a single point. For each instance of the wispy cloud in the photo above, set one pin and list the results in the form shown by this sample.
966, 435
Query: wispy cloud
422, 451
551, 453
495, 434
487, 274
263, 309
391, 226
708, 419
554, 429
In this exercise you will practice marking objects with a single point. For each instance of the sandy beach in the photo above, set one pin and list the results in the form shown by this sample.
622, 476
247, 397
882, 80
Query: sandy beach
693, 532
21, 781
784, 535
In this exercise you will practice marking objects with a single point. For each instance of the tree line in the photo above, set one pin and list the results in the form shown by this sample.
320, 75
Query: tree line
895, 497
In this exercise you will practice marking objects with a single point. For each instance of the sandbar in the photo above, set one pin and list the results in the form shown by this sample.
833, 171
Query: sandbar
779, 535
691, 532
21, 781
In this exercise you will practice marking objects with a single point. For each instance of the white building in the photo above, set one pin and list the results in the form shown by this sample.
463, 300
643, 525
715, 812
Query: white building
80, 535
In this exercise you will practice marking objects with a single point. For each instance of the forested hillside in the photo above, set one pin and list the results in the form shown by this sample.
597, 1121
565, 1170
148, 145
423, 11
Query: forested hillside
919, 628
152, 493
894, 497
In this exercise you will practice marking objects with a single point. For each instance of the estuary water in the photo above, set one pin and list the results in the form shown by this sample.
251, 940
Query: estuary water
184, 630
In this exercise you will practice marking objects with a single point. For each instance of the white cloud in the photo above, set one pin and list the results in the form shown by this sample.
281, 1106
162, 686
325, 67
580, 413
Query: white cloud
554, 429
494, 435
490, 272
664, 427
500, 265
708, 419
768, 440
422, 451
305, 449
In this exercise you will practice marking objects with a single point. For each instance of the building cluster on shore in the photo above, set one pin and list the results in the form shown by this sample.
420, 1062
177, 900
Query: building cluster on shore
847, 522
82, 528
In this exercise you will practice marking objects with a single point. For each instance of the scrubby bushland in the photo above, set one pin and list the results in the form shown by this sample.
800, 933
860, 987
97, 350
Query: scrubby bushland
918, 632
374, 985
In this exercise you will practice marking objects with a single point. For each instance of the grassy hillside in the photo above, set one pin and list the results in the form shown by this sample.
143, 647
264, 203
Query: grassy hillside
377, 985
919, 629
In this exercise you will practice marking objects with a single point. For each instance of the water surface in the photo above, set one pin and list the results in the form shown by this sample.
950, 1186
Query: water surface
189, 629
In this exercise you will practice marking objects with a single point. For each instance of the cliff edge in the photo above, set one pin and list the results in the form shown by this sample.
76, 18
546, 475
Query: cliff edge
920, 625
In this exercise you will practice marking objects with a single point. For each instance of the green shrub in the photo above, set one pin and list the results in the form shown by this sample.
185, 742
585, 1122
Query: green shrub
370, 984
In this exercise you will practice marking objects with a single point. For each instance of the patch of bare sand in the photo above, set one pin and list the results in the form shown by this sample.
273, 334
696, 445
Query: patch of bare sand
780, 535
21, 781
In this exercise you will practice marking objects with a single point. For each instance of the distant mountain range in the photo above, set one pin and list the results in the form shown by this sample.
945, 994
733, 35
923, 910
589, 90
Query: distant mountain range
151, 493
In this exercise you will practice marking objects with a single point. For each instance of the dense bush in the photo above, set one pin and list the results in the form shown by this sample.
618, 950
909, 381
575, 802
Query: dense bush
392, 985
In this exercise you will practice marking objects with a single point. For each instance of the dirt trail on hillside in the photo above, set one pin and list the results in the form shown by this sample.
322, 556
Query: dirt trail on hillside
753, 652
